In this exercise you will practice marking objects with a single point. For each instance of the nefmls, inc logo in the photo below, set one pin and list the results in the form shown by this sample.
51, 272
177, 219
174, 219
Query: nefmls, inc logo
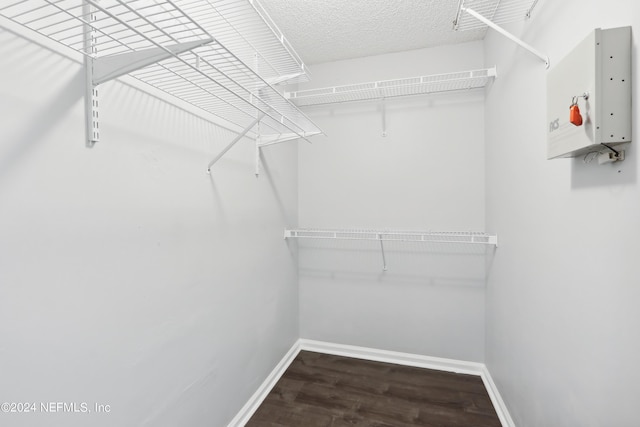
554, 125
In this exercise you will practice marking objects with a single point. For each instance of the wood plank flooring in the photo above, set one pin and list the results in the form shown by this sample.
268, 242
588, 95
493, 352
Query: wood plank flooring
321, 390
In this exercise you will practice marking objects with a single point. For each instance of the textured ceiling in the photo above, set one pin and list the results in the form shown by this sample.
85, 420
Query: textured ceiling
330, 30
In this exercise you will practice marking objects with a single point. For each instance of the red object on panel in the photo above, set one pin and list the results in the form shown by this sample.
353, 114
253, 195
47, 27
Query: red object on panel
574, 115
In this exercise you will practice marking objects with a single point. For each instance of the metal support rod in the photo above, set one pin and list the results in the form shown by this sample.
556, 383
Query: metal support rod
533, 5
232, 143
92, 134
384, 259
506, 34
384, 118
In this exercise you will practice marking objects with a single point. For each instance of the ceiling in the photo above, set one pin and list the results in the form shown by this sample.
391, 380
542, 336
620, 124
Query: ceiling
331, 30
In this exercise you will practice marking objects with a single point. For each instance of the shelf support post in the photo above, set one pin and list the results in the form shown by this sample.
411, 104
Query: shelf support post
258, 160
92, 133
507, 34
235, 140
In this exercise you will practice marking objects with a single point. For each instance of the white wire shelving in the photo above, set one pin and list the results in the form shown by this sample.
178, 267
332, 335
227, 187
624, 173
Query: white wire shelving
470, 237
498, 11
381, 236
247, 30
476, 14
164, 44
420, 85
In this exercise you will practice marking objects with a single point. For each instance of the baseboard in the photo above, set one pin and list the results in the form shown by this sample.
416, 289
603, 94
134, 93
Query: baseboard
407, 359
399, 358
258, 397
496, 399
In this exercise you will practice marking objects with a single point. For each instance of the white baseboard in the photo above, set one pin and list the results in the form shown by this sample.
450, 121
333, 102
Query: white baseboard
406, 359
258, 397
496, 399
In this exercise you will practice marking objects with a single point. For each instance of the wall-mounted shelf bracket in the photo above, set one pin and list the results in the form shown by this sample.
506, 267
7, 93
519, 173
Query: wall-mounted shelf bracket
111, 67
283, 80
384, 118
99, 70
267, 140
384, 258
234, 142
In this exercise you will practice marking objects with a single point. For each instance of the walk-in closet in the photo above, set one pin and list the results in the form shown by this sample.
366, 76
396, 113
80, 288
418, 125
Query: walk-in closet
299, 213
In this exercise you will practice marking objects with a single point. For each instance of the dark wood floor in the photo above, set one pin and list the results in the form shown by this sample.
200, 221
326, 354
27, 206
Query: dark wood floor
324, 390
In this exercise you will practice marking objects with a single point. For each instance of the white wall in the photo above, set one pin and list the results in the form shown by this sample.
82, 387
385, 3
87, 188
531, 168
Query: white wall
128, 276
563, 287
428, 173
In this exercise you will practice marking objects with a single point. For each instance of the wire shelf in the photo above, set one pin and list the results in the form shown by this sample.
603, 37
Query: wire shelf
114, 27
395, 236
464, 80
213, 79
498, 11
246, 29
202, 71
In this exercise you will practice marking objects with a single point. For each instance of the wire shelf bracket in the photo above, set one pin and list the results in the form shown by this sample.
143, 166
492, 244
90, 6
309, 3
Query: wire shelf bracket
234, 142
500, 12
111, 67
125, 22
268, 140
444, 237
101, 70
286, 79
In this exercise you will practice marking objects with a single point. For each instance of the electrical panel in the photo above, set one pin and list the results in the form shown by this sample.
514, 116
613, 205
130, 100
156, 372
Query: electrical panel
589, 96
